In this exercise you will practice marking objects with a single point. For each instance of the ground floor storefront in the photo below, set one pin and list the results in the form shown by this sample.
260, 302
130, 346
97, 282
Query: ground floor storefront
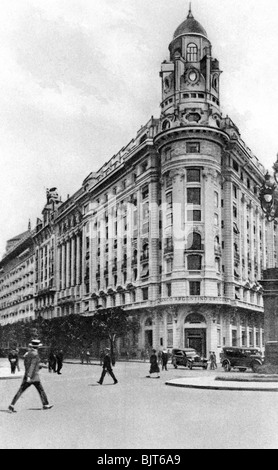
202, 327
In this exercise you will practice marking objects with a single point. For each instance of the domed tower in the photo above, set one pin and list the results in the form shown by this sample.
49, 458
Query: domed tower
190, 144
190, 79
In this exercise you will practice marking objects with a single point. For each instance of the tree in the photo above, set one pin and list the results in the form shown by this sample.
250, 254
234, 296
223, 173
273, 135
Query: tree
112, 323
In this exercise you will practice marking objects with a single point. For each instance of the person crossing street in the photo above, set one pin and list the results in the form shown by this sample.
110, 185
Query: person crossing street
31, 376
107, 367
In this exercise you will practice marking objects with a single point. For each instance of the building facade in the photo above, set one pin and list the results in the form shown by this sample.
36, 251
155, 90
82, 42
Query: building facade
171, 227
17, 279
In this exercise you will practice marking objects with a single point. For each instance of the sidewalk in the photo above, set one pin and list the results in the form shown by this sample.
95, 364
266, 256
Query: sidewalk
5, 373
224, 383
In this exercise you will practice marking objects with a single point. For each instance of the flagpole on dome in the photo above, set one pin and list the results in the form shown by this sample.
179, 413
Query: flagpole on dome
189, 11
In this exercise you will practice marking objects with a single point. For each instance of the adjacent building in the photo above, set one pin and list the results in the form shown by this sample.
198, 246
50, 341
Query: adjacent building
170, 228
17, 279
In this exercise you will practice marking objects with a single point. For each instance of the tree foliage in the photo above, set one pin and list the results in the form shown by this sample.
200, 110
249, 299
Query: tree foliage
72, 332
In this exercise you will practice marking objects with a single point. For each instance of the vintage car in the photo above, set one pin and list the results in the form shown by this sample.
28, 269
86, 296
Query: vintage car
241, 358
188, 357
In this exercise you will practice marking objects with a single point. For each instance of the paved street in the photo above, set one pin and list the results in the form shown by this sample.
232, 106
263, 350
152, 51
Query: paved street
137, 413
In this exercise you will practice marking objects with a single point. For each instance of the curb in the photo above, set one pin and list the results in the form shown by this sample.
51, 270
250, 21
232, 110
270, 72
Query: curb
8, 377
224, 388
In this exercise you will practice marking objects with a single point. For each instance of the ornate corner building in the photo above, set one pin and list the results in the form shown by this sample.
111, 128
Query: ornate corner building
170, 227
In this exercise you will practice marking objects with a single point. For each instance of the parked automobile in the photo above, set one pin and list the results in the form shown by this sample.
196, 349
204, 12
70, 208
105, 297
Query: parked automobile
241, 358
188, 357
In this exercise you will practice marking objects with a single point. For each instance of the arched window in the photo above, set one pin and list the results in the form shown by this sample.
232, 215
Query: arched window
194, 241
148, 322
192, 52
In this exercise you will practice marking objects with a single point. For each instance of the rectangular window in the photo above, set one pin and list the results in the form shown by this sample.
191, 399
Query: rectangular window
169, 290
193, 175
194, 263
145, 191
234, 191
145, 293
145, 270
169, 265
218, 337
145, 210
194, 216
234, 337
195, 288
170, 338
193, 147
194, 196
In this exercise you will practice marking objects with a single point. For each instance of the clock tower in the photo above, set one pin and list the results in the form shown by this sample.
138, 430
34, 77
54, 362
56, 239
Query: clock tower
190, 78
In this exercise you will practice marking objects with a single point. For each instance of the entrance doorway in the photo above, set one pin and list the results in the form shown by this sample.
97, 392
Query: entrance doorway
148, 339
195, 343
195, 333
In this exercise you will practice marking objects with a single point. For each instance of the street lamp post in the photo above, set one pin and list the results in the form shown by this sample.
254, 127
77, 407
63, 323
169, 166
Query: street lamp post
269, 203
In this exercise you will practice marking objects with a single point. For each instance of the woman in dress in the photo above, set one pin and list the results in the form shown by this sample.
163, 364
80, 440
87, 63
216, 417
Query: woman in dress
154, 368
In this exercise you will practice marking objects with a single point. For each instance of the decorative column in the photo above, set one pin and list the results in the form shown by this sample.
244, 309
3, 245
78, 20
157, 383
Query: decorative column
72, 280
68, 263
63, 285
77, 271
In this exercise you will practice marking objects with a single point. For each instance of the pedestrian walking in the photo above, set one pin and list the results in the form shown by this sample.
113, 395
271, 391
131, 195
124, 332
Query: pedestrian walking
88, 357
82, 356
60, 358
164, 359
159, 357
212, 362
52, 362
13, 359
107, 367
31, 376
17, 362
101, 357
154, 368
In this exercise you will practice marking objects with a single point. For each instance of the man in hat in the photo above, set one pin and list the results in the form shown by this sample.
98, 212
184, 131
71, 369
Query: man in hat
107, 367
31, 376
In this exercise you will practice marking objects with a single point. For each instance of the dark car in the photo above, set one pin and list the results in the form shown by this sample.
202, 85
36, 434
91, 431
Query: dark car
241, 358
188, 357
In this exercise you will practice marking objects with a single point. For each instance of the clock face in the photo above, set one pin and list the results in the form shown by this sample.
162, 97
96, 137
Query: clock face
192, 76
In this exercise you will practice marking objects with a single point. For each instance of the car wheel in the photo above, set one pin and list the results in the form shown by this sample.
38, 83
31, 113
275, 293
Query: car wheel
227, 367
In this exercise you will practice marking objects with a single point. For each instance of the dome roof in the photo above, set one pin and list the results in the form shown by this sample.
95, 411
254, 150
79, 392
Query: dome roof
190, 26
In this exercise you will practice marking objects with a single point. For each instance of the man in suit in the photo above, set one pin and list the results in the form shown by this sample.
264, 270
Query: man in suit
107, 367
31, 376
60, 358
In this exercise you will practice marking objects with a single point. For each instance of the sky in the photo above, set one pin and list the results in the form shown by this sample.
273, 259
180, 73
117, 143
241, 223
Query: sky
78, 78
